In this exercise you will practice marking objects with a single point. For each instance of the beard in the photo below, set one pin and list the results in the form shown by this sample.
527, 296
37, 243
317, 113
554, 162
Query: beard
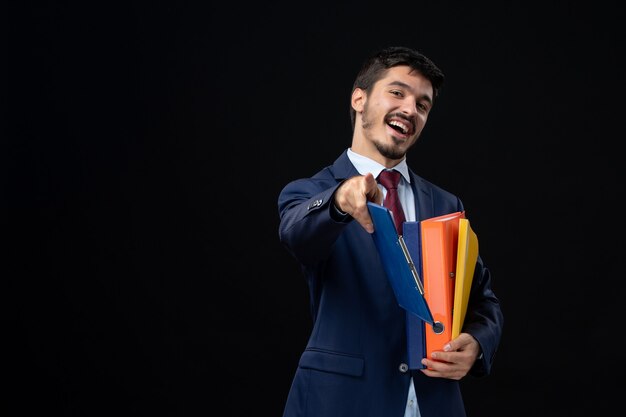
388, 151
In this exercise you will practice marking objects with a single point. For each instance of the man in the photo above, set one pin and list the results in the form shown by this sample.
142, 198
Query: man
355, 360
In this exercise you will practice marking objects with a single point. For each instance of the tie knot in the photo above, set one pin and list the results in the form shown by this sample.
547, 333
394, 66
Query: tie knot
389, 178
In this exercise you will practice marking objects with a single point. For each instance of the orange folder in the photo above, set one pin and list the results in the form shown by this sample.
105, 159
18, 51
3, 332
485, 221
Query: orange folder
467, 254
439, 237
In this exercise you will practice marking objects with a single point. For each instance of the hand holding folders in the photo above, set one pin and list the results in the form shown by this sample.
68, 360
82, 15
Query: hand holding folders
449, 254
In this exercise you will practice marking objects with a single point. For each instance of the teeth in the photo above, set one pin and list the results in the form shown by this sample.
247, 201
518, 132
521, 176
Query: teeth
400, 125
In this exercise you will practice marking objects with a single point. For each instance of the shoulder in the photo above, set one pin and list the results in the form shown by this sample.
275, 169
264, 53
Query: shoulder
326, 177
441, 197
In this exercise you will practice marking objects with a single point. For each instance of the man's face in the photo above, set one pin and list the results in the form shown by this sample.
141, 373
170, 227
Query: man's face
394, 113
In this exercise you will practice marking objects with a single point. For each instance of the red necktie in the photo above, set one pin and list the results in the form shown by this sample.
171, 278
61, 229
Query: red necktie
389, 180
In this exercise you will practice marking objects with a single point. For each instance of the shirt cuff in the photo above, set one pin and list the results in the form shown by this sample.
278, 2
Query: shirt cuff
339, 215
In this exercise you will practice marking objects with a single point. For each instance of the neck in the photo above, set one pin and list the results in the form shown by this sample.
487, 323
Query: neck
370, 151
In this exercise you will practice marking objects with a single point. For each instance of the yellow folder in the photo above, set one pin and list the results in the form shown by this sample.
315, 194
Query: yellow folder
467, 254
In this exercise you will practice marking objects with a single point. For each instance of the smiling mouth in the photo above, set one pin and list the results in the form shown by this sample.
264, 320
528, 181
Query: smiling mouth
403, 127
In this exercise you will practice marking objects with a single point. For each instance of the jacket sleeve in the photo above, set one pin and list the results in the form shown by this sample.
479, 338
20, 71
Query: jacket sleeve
309, 224
484, 319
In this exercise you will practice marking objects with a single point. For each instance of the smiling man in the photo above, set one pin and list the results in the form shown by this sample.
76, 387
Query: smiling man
355, 361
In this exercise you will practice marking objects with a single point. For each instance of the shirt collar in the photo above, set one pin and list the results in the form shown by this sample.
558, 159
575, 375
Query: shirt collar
364, 165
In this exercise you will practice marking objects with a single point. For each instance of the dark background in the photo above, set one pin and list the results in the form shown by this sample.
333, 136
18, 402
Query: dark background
140, 283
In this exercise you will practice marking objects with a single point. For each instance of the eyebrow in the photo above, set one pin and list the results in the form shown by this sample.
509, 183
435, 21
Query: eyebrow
408, 87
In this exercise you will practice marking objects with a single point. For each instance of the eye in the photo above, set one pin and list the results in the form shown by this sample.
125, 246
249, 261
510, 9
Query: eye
422, 107
397, 93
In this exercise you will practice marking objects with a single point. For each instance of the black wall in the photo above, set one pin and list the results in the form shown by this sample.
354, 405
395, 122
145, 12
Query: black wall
126, 293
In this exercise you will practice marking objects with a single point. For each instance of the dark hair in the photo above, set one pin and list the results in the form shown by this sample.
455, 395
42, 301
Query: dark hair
376, 65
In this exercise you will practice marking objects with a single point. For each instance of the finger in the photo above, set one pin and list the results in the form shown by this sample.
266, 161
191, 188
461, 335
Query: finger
443, 357
369, 189
435, 368
458, 343
366, 222
440, 369
372, 192
361, 214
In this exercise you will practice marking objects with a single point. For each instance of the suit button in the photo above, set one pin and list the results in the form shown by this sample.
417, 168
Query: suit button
403, 367
314, 204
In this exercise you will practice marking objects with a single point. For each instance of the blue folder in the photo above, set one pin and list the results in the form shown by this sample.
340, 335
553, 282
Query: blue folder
398, 264
415, 331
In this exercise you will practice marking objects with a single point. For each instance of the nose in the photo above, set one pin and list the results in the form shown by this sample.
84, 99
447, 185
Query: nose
409, 106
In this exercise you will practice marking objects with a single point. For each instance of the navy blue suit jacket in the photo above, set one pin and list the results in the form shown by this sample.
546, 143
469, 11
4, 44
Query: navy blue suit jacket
353, 361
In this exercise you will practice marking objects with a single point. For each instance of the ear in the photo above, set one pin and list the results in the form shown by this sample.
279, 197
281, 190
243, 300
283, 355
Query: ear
358, 99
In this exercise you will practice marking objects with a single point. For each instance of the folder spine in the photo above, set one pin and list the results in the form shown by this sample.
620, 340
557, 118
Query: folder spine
416, 339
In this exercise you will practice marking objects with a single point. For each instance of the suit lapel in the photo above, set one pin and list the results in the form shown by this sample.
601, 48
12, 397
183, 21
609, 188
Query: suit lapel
343, 168
423, 198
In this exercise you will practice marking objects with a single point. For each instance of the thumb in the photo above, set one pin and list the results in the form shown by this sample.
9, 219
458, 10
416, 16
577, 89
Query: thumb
454, 344
458, 343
